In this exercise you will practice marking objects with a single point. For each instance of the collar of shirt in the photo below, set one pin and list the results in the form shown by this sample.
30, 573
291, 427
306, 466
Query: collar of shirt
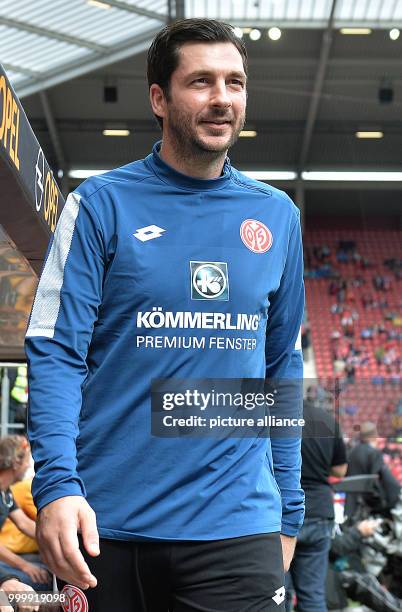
169, 175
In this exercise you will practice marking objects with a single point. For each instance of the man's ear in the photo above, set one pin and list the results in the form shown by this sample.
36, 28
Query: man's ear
158, 100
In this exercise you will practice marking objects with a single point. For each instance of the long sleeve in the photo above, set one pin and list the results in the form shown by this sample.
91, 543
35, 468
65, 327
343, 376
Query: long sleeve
285, 367
59, 333
346, 542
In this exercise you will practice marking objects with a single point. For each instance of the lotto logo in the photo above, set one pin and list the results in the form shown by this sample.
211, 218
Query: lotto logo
256, 236
149, 233
279, 596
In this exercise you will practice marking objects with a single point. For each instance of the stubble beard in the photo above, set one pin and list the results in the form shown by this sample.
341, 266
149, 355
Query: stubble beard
187, 143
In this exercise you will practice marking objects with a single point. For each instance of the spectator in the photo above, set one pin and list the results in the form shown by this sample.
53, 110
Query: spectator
386, 283
339, 366
384, 423
305, 339
350, 372
358, 281
333, 287
367, 300
323, 454
336, 308
14, 461
342, 256
321, 253
379, 353
366, 333
381, 282
350, 294
10, 536
348, 320
392, 358
382, 329
366, 458
347, 576
325, 251
365, 263
356, 257
364, 357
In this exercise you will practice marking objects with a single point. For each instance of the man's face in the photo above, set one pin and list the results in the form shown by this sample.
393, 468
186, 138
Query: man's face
207, 102
22, 467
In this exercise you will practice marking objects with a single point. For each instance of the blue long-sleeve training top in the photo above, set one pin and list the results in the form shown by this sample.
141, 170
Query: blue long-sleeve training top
152, 274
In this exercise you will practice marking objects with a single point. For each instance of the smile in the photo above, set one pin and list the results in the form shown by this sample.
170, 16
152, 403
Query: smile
217, 123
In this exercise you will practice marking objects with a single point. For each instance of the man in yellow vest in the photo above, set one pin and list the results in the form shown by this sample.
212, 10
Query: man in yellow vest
19, 397
19, 392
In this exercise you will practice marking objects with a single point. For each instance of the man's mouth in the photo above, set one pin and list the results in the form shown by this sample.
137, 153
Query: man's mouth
217, 121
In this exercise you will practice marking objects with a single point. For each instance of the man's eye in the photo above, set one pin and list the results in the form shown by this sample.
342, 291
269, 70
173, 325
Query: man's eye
201, 80
237, 82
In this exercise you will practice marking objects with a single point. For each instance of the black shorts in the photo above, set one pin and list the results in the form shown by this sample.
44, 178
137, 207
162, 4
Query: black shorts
234, 575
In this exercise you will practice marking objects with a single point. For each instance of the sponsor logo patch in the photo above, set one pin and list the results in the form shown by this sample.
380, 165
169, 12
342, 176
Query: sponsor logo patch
209, 280
256, 236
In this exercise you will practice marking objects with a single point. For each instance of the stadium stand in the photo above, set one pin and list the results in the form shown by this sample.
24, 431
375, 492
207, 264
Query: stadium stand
354, 297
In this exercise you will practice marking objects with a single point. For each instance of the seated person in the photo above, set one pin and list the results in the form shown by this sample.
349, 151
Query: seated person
10, 536
14, 461
347, 576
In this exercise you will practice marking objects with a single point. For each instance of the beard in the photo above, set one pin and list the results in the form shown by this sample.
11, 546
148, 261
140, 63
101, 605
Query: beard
187, 141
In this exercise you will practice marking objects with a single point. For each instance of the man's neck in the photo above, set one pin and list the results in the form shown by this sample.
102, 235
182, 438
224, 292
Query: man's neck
207, 166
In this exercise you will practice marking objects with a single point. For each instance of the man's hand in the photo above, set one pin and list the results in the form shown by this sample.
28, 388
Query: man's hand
56, 532
288, 549
11, 586
368, 527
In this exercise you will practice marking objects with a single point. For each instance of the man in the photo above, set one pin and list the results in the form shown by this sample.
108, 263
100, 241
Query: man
366, 458
14, 460
323, 455
10, 536
347, 575
173, 267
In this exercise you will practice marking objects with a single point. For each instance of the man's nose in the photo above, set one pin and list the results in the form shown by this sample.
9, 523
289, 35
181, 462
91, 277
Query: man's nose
220, 95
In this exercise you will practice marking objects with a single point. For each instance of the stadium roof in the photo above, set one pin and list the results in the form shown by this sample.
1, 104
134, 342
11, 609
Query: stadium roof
310, 92
51, 41
47, 42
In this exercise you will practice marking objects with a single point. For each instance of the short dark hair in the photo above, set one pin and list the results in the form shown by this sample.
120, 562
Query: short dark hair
163, 54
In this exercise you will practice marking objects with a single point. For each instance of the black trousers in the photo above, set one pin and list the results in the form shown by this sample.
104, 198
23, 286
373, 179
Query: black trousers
234, 575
